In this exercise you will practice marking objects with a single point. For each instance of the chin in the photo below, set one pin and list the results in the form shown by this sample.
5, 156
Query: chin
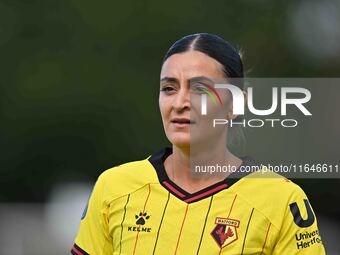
180, 140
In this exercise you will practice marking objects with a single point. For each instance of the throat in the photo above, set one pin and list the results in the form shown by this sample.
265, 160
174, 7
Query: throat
180, 174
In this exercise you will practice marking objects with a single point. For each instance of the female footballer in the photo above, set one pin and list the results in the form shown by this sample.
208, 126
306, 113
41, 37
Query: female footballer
158, 206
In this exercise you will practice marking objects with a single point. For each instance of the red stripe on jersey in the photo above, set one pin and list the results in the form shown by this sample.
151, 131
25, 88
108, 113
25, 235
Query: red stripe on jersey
173, 189
146, 201
265, 240
207, 193
180, 232
77, 251
147, 198
231, 208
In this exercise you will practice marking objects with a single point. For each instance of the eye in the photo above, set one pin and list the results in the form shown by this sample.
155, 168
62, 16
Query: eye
199, 88
167, 89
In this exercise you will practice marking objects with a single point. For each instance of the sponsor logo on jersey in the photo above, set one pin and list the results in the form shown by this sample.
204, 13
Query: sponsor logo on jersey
307, 239
299, 221
141, 220
225, 231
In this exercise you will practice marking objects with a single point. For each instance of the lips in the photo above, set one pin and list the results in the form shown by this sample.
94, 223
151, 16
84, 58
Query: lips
182, 121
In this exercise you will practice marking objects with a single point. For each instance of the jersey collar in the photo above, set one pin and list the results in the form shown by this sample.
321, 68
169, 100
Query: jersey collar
157, 160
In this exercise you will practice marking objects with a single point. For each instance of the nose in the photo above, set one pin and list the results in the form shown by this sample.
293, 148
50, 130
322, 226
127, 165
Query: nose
182, 100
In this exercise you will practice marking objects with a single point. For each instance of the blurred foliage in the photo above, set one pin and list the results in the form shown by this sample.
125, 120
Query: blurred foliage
79, 83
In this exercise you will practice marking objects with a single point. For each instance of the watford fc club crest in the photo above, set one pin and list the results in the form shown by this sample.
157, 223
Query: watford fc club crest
225, 231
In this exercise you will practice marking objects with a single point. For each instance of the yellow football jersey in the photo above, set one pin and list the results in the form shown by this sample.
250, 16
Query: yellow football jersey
136, 209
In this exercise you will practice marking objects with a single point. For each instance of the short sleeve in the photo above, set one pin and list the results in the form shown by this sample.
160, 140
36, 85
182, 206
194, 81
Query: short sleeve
299, 232
93, 234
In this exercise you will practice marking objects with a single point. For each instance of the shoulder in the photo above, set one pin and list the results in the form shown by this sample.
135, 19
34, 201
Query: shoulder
126, 178
270, 184
271, 194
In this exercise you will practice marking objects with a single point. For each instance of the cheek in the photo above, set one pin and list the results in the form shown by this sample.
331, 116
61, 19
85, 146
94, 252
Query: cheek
164, 106
226, 103
214, 111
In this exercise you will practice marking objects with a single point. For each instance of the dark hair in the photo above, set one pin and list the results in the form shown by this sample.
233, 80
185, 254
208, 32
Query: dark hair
215, 47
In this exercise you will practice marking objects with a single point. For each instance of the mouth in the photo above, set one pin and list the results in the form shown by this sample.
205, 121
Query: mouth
182, 122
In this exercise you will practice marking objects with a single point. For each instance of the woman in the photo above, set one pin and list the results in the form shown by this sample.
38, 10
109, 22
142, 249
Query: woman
158, 206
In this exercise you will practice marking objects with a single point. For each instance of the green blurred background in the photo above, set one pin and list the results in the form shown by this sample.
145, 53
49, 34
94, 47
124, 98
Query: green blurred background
79, 83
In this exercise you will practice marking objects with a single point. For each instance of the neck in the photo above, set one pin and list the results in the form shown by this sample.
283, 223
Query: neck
178, 165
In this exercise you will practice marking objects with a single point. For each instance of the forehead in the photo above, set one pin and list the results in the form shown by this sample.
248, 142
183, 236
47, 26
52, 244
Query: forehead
191, 64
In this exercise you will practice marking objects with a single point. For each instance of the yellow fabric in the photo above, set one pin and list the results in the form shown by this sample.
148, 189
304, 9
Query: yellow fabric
130, 212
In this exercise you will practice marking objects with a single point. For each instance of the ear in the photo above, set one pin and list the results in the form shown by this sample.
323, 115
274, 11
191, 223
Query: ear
230, 115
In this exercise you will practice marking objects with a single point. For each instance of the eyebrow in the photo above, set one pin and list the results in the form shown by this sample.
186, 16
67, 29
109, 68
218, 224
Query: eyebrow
197, 78
201, 79
170, 79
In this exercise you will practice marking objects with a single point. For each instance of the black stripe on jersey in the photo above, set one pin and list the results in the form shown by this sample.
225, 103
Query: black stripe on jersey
245, 236
76, 250
157, 160
121, 225
160, 224
205, 223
